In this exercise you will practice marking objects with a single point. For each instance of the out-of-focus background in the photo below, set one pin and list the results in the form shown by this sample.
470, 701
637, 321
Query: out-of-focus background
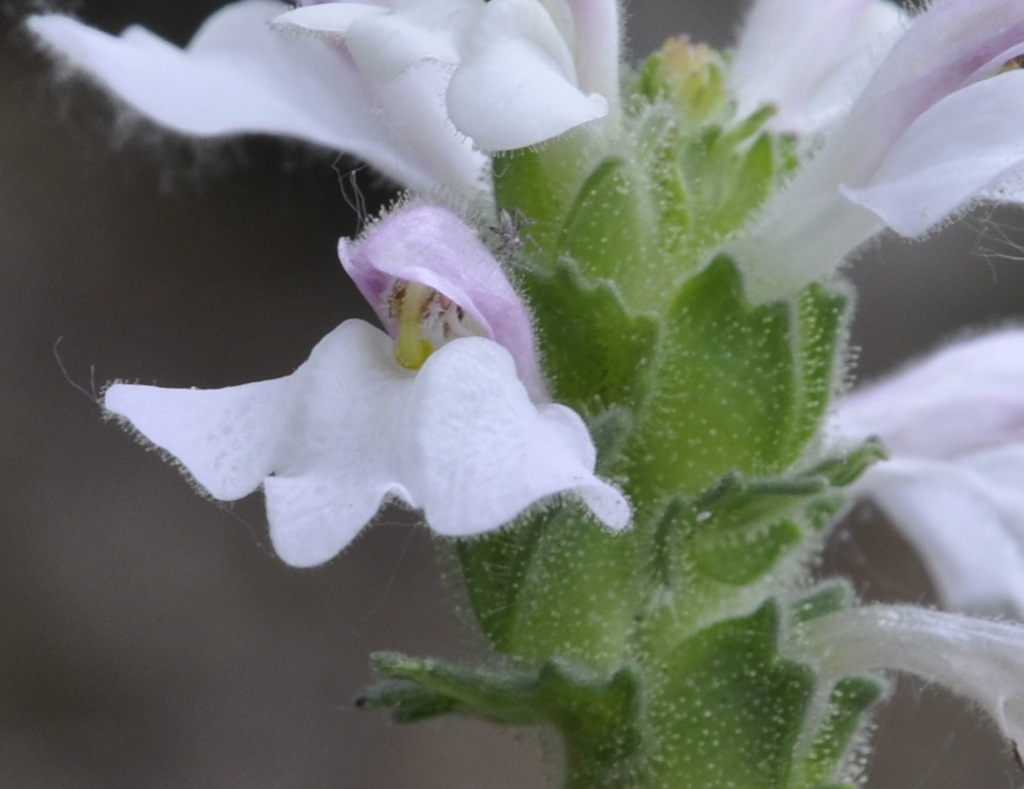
148, 637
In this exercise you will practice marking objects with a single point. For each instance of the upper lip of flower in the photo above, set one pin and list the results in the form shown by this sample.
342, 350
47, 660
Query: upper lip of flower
445, 255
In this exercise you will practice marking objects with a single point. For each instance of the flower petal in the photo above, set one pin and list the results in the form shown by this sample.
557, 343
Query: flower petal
597, 41
965, 523
385, 42
514, 81
517, 84
431, 246
981, 660
237, 77
469, 408
967, 396
955, 484
350, 428
829, 49
228, 439
957, 148
313, 518
948, 156
948, 47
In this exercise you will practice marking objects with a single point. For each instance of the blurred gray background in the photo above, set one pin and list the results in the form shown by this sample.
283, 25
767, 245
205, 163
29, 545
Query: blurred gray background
148, 637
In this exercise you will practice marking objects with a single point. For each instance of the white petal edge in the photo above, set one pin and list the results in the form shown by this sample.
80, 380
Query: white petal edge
237, 77
228, 439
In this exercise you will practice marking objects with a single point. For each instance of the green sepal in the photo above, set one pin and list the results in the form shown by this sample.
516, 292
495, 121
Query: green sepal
689, 77
596, 351
743, 556
848, 703
419, 688
845, 469
738, 530
630, 224
609, 229
735, 387
610, 431
829, 597
726, 709
495, 568
741, 529
729, 177
540, 184
590, 707
528, 587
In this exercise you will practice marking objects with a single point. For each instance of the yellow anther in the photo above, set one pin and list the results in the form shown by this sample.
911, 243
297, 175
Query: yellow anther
411, 348
1013, 64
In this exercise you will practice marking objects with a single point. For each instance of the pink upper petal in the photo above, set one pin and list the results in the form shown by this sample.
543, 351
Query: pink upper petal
431, 246
948, 47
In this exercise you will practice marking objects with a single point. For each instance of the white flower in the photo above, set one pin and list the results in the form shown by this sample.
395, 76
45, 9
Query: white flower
809, 59
522, 71
418, 90
981, 660
237, 76
954, 485
444, 417
937, 127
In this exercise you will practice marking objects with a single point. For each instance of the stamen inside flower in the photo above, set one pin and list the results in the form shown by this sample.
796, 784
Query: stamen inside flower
426, 319
1011, 65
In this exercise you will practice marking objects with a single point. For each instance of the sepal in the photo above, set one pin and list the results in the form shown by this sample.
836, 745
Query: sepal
735, 387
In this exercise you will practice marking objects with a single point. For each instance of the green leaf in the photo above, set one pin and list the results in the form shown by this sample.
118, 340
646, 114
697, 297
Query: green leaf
588, 707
